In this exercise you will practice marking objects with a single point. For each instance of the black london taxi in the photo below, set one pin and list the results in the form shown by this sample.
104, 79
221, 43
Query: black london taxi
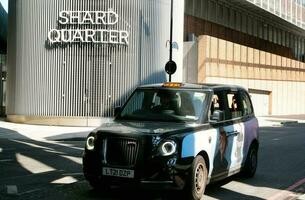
175, 136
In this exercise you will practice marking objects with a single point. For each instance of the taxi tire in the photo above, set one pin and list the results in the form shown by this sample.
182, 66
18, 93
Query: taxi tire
198, 174
250, 166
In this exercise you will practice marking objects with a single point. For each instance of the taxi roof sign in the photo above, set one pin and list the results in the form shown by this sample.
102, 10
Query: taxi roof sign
172, 84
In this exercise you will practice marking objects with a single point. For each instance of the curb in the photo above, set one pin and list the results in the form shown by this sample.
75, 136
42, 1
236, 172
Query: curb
284, 123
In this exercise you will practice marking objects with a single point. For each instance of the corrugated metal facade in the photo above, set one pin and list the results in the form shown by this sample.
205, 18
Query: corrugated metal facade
3, 30
82, 79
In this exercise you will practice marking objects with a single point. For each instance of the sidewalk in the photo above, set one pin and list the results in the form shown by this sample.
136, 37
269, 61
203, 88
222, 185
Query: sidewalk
10, 130
280, 120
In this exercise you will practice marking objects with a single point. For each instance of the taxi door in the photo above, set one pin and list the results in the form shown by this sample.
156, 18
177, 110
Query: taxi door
235, 132
229, 145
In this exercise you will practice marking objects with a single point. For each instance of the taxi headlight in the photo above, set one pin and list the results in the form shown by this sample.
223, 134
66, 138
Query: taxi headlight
168, 148
90, 143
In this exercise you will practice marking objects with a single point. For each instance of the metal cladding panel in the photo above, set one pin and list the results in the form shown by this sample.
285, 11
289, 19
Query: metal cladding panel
83, 79
3, 30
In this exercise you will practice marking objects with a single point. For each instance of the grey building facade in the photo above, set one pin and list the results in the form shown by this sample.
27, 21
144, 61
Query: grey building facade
3, 52
3, 30
72, 62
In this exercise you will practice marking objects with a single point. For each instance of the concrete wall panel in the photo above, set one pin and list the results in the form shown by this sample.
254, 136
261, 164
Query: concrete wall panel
283, 78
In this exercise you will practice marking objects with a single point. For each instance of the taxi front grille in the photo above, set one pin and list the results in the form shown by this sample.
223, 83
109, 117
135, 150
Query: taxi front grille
121, 151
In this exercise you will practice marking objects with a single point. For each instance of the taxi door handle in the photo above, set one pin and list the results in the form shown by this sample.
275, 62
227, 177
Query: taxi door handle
231, 133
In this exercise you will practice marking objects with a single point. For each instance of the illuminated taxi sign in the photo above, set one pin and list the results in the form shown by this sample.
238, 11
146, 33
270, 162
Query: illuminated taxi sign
172, 85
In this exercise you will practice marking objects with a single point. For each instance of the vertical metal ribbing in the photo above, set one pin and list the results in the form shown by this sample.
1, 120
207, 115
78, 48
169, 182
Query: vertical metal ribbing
55, 81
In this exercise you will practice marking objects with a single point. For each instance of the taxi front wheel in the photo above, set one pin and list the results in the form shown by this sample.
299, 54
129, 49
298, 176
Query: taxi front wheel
197, 180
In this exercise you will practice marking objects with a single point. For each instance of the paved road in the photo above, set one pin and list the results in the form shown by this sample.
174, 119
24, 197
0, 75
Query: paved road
31, 169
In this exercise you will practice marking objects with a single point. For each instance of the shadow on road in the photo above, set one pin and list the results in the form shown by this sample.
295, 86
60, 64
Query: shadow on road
280, 165
28, 165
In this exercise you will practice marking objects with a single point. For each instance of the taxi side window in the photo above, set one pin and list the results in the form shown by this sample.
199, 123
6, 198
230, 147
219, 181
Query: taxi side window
247, 106
137, 104
235, 104
239, 104
217, 104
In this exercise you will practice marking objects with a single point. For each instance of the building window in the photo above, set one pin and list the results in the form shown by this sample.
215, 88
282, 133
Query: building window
255, 28
279, 36
232, 18
284, 8
265, 31
260, 29
293, 11
299, 12
289, 8
212, 11
271, 6
197, 8
205, 7
270, 34
303, 14
284, 38
258, 2
238, 21
249, 25
226, 16
265, 4
277, 6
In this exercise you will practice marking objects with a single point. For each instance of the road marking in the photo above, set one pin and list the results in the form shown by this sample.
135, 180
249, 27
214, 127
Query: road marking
11, 189
32, 165
64, 145
32, 145
65, 180
77, 160
288, 191
51, 151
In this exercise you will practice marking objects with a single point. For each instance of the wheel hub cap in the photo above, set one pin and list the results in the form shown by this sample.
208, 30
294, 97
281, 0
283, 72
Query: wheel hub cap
199, 178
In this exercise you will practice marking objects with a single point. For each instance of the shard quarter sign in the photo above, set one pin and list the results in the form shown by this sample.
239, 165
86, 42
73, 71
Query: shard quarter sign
88, 27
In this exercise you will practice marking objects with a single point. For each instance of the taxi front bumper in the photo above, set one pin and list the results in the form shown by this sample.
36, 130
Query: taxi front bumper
156, 173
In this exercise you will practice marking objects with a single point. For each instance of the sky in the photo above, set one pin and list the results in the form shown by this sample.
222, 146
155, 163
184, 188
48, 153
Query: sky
4, 4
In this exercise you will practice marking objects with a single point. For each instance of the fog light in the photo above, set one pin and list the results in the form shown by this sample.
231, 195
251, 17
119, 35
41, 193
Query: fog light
171, 162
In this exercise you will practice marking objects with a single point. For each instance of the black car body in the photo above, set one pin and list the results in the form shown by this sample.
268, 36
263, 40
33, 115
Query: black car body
203, 133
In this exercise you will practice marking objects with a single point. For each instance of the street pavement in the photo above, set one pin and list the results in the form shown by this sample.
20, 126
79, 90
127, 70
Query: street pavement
44, 162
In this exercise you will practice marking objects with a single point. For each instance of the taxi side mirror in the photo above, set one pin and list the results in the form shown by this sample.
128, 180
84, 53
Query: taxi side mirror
217, 116
117, 110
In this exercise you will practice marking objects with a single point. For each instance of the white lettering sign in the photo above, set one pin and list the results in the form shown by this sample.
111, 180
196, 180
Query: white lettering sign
104, 35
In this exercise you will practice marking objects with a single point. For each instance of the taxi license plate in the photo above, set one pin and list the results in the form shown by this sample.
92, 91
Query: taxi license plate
125, 173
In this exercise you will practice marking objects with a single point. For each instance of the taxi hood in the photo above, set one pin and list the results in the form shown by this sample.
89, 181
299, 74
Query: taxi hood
145, 128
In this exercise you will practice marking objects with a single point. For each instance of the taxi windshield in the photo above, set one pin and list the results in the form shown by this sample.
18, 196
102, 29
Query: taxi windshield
168, 105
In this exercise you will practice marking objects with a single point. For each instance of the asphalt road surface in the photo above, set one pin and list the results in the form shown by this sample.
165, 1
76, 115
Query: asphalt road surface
32, 169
